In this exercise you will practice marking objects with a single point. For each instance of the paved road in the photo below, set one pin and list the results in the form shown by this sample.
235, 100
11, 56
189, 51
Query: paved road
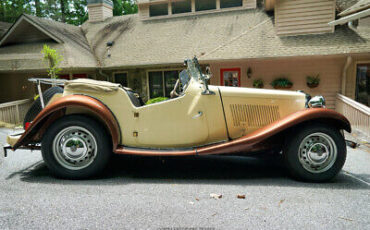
152, 193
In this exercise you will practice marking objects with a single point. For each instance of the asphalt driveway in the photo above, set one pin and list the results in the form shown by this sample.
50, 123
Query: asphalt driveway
153, 193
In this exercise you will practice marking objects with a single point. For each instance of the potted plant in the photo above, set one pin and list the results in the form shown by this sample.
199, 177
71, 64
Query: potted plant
313, 81
258, 83
282, 83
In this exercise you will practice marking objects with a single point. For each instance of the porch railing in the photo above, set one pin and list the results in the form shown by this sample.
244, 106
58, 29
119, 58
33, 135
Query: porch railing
14, 112
357, 113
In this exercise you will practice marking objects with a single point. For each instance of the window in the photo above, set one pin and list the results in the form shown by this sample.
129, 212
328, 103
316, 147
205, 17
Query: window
363, 84
181, 7
155, 84
121, 78
230, 3
158, 10
205, 5
230, 77
161, 83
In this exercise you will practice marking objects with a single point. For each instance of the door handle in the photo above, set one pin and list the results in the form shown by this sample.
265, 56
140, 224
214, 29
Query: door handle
199, 114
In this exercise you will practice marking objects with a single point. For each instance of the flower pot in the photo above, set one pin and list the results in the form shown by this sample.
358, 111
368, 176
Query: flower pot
283, 87
312, 85
258, 86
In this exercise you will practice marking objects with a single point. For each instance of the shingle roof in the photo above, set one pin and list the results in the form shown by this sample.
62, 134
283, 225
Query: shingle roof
4, 26
345, 4
218, 36
232, 35
74, 48
262, 42
359, 6
164, 41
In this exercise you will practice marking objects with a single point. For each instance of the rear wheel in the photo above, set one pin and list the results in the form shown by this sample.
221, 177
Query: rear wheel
76, 147
317, 153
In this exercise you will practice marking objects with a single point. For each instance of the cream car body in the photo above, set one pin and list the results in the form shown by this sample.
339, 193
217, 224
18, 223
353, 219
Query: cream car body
194, 119
80, 128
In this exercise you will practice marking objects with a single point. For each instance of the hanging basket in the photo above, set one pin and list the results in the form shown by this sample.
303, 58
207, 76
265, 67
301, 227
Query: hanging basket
312, 85
283, 87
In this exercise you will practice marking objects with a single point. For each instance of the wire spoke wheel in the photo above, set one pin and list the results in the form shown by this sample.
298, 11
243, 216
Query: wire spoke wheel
317, 153
74, 148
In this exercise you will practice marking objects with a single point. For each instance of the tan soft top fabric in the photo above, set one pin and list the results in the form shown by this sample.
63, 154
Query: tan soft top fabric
89, 85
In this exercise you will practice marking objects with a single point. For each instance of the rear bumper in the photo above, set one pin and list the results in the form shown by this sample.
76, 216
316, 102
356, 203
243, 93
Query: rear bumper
12, 139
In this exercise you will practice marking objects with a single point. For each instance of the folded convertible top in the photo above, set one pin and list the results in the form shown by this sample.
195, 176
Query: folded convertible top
89, 85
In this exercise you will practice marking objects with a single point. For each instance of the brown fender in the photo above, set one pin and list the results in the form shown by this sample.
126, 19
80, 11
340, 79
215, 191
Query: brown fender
57, 109
251, 141
256, 140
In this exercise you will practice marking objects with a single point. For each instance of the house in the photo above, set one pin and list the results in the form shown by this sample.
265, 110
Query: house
240, 40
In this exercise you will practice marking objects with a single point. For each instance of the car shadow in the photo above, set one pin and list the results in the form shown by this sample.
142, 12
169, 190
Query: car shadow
190, 170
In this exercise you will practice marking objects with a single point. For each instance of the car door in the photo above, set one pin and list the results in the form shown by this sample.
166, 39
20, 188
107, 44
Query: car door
180, 122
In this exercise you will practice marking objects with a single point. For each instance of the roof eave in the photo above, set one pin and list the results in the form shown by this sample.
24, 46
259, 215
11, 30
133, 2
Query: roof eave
351, 17
19, 20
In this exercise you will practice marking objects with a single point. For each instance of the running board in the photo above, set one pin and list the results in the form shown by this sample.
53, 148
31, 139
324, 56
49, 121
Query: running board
155, 152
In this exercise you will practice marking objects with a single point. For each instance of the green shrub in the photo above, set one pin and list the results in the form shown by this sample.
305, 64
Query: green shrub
258, 83
282, 82
313, 80
156, 100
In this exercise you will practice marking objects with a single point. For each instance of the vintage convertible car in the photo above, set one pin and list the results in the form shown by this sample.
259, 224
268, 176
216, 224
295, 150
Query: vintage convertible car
80, 126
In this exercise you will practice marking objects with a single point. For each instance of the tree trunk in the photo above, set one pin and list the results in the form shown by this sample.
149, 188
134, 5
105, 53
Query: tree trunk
38, 8
2, 11
63, 10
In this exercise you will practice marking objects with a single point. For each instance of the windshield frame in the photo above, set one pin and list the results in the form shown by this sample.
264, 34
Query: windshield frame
195, 72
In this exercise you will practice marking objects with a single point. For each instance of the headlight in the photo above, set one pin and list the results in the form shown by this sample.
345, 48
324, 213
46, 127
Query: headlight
317, 102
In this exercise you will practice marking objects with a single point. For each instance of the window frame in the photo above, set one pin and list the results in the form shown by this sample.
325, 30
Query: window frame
163, 80
118, 72
236, 69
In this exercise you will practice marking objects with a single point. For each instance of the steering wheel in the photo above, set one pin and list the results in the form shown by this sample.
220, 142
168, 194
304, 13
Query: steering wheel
173, 93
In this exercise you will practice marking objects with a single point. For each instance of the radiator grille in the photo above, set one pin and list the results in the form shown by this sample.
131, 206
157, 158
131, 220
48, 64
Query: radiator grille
254, 115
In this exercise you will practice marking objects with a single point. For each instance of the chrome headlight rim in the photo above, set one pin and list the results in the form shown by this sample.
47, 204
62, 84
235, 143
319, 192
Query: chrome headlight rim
317, 102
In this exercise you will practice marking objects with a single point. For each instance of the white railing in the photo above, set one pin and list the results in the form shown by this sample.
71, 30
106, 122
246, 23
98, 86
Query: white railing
357, 113
14, 112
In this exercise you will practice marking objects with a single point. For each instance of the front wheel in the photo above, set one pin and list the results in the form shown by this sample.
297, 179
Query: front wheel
316, 153
76, 147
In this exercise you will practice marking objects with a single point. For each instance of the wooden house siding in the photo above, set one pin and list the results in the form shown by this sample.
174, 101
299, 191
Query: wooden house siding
296, 69
304, 16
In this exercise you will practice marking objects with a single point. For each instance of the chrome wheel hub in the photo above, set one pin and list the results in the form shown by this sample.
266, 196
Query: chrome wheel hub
317, 152
74, 148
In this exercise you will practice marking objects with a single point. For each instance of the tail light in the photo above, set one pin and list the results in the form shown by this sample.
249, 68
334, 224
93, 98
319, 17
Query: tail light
27, 125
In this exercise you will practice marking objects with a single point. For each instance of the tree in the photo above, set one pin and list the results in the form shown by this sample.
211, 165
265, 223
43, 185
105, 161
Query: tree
53, 58
117, 7
69, 11
129, 7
